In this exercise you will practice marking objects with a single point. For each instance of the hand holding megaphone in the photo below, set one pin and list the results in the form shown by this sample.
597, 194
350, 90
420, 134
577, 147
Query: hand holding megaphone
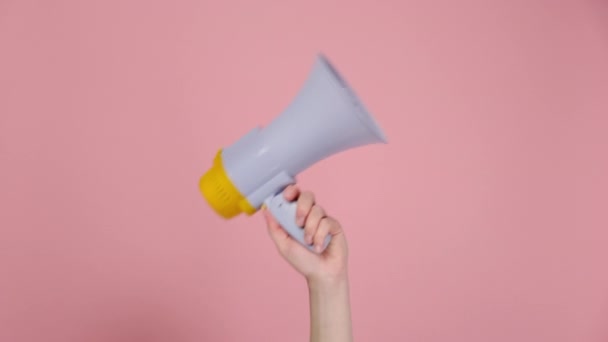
317, 226
325, 118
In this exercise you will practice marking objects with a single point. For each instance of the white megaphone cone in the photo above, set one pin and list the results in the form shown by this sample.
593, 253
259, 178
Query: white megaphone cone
325, 118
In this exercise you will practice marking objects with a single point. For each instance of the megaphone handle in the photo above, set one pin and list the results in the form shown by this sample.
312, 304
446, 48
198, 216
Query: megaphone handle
285, 213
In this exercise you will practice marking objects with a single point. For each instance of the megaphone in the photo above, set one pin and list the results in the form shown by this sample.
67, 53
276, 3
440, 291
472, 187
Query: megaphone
326, 117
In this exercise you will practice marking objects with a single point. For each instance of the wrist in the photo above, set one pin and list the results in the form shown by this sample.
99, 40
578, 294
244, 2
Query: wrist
330, 308
328, 283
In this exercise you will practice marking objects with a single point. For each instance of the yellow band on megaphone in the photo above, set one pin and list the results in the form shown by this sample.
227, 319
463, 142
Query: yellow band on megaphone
220, 192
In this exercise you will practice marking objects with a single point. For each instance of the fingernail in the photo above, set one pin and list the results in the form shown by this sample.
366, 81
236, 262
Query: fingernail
318, 248
308, 239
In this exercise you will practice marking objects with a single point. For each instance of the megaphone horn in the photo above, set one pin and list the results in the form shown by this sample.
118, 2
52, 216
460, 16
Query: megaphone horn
325, 118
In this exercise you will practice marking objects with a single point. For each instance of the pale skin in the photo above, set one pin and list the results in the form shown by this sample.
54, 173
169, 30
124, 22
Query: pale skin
326, 273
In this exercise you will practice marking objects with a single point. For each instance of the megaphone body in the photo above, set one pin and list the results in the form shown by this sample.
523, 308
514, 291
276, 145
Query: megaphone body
325, 118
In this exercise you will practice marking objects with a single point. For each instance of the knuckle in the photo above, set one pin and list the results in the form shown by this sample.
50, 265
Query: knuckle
309, 196
309, 227
304, 204
319, 211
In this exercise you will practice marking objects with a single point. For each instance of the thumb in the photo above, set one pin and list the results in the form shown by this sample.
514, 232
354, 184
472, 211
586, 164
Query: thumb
278, 235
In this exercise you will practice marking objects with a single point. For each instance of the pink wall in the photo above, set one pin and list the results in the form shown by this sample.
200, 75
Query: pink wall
485, 219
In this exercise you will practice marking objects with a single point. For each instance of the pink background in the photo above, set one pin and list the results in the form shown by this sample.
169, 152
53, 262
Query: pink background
484, 219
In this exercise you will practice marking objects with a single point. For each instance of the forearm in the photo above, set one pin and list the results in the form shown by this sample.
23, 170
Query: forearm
330, 316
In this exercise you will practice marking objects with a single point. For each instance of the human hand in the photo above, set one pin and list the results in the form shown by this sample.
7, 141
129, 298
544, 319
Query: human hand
326, 273
328, 266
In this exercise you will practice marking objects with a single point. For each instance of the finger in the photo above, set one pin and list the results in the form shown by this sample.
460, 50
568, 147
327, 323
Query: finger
305, 203
334, 226
312, 223
338, 242
291, 193
322, 231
